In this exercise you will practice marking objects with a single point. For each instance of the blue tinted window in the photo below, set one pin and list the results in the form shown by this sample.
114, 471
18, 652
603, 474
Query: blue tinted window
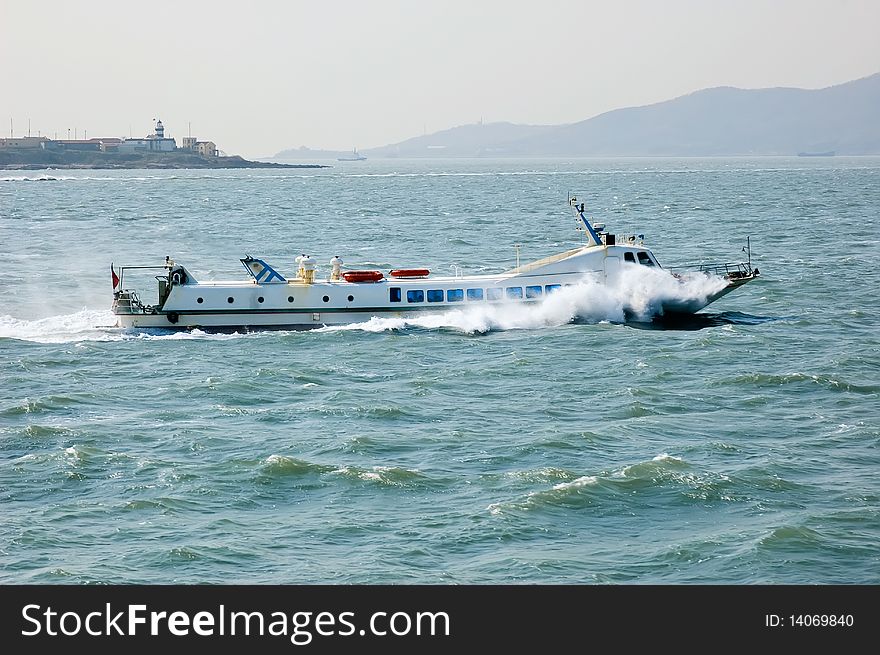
394, 294
416, 295
435, 295
534, 292
493, 294
550, 288
514, 292
474, 294
455, 295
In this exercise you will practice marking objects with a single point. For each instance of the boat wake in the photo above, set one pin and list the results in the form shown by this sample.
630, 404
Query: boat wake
90, 325
79, 326
639, 294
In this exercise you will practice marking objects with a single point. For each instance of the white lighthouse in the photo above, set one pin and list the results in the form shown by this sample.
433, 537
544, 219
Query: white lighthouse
156, 142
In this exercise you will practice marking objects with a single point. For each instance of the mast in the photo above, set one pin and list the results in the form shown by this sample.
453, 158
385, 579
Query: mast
593, 237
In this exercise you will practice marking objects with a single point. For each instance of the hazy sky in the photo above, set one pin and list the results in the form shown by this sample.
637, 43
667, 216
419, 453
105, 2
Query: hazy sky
258, 76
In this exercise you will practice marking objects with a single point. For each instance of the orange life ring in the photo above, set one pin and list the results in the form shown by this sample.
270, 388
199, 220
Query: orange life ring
410, 272
362, 276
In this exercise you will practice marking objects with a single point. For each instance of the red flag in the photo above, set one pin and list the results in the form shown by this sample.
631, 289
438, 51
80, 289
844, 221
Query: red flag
115, 277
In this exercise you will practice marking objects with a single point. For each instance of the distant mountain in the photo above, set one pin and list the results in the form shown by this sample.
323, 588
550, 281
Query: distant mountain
722, 121
474, 140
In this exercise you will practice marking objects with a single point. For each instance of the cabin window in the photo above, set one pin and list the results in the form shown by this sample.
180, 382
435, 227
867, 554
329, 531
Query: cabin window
534, 292
289, 298
350, 298
645, 259
200, 300
260, 299
628, 257
416, 295
230, 300
326, 298
394, 294
455, 295
435, 295
550, 288
494, 294
474, 294
514, 292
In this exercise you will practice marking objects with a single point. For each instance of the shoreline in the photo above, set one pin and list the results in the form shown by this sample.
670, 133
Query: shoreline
87, 167
33, 160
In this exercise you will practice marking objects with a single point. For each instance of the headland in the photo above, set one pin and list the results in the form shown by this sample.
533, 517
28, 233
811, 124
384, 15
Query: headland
155, 150
38, 159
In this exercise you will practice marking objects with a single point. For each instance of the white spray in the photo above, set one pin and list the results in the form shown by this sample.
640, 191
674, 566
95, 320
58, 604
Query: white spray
637, 293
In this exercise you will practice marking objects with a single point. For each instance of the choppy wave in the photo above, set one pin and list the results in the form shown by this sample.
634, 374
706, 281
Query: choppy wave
391, 476
280, 466
34, 178
832, 383
626, 486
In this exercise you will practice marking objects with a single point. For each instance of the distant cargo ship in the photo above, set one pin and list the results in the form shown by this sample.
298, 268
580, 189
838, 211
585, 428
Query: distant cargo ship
827, 153
354, 156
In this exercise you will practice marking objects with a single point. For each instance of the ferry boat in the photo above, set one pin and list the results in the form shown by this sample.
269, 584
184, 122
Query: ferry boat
266, 299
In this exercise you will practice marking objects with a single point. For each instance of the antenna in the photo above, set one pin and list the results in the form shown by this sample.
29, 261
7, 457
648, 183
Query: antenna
516, 247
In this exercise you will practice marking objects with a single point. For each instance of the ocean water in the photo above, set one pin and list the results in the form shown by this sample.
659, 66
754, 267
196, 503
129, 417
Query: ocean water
557, 444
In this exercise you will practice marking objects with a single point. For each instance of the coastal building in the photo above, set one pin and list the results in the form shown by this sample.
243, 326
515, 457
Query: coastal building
104, 144
155, 142
81, 145
206, 148
23, 142
110, 144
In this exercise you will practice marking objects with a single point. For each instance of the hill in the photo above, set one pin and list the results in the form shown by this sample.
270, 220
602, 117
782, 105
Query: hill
722, 121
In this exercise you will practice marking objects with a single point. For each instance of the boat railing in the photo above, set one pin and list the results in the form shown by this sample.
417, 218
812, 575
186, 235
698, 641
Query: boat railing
123, 269
730, 270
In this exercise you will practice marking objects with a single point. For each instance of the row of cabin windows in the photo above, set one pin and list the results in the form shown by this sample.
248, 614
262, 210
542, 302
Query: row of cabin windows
457, 295
643, 258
